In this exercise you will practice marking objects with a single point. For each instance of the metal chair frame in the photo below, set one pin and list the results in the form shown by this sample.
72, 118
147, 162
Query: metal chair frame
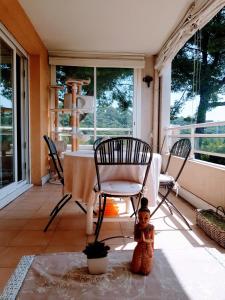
97, 142
120, 151
182, 149
59, 169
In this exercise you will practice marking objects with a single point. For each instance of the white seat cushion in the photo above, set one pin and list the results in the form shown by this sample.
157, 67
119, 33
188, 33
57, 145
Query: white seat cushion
128, 188
165, 179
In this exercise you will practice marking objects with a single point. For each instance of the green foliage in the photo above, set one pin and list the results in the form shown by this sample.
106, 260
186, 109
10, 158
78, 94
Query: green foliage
96, 250
64, 73
213, 218
114, 95
213, 145
199, 69
115, 84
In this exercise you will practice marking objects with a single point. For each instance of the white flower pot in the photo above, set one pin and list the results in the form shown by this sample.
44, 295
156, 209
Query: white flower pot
97, 265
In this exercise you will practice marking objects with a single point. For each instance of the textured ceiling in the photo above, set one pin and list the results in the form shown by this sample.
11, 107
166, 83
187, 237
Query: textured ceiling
121, 26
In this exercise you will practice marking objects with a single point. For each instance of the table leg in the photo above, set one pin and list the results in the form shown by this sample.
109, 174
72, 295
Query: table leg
128, 205
89, 220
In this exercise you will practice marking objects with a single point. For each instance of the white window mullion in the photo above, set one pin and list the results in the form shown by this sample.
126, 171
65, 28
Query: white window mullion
15, 150
137, 104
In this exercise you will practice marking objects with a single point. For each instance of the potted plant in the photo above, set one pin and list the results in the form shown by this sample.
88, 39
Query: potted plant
97, 259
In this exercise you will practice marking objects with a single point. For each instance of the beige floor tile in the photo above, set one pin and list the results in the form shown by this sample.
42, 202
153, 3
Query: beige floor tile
39, 224
72, 223
43, 213
114, 226
31, 238
18, 214
23, 221
64, 248
2, 248
12, 255
68, 237
29, 205
7, 236
5, 274
12, 224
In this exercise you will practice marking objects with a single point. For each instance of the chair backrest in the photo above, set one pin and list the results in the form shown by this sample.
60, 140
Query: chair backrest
123, 151
97, 142
182, 149
55, 157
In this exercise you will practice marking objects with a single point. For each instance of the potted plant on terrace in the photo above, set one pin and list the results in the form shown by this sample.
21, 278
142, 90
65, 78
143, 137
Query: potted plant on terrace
97, 259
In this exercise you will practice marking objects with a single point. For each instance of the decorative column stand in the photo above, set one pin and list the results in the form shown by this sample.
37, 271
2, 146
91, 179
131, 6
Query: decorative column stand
76, 86
56, 89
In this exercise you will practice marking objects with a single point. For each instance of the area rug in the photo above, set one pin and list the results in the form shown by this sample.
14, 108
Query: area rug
177, 274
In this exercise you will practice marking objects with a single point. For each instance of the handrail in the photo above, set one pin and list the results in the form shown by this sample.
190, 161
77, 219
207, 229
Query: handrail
175, 132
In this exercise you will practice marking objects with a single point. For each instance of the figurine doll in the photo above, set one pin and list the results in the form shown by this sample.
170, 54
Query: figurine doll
144, 236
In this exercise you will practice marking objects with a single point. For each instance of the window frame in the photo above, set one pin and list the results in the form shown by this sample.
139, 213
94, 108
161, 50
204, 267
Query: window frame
12, 190
136, 95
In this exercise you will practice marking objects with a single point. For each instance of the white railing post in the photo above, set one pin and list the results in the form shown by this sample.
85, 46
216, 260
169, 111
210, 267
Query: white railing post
192, 154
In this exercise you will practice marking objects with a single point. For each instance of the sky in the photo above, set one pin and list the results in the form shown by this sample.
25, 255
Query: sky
217, 114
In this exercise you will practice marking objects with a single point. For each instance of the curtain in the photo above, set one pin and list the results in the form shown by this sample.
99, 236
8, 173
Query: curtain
198, 15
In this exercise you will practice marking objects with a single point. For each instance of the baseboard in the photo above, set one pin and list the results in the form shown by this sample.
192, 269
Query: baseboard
45, 179
194, 200
12, 196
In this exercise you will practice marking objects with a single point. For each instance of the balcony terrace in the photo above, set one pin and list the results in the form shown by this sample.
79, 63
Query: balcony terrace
21, 233
43, 44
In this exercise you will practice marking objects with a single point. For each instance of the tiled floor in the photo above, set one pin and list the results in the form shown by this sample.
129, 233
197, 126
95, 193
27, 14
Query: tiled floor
22, 223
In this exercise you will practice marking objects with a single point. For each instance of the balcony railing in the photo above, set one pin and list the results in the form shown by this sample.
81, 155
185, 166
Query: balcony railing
206, 138
93, 133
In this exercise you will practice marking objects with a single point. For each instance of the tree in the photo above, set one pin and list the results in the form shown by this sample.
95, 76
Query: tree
114, 93
199, 69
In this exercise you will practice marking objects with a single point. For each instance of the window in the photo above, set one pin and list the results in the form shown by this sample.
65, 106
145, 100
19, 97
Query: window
198, 89
13, 117
113, 93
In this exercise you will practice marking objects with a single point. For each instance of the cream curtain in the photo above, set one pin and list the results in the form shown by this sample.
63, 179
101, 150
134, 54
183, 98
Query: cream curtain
199, 14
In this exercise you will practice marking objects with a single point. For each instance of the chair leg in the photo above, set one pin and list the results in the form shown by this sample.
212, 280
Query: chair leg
171, 212
179, 213
57, 205
161, 202
66, 198
101, 218
99, 212
81, 206
165, 199
134, 209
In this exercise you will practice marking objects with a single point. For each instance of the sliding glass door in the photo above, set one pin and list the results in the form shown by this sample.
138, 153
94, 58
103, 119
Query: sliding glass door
113, 114
114, 102
13, 117
7, 166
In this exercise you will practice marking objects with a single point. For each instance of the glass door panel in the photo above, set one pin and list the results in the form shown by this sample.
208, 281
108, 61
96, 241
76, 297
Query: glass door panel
114, 103
7, 167
86, 120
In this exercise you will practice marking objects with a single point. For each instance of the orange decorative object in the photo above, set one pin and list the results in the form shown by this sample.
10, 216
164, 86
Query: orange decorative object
111, 209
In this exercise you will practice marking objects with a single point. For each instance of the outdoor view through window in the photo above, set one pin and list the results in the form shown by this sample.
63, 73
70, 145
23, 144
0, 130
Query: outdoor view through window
198, 89
113, 110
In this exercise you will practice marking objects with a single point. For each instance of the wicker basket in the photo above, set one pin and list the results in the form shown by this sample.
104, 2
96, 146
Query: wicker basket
211, 229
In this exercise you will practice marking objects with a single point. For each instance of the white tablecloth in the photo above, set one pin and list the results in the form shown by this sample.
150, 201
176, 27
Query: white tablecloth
80, 178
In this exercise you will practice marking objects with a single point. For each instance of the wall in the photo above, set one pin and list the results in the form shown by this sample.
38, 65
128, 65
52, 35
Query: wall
15, 20
146, 110
165, 90
203, 180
